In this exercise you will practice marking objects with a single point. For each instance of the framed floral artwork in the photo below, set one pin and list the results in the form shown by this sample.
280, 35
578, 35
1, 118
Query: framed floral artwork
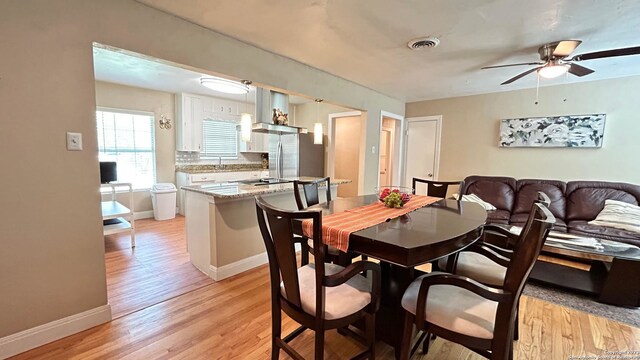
584, 131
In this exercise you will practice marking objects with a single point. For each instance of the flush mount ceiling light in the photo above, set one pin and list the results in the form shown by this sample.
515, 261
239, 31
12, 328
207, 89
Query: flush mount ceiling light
553, 69
224, 85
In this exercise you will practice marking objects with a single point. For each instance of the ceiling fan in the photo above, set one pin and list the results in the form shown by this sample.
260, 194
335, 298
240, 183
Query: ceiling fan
555, 60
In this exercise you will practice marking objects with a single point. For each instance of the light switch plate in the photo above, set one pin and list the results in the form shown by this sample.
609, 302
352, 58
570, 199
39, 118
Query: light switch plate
74, 141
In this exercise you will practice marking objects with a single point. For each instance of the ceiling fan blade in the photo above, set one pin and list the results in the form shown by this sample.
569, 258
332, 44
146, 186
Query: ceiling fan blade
520, 64
521, 75
565, 48
579, 70
607, 53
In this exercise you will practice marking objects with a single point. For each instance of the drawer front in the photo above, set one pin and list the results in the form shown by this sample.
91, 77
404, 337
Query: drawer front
198, 178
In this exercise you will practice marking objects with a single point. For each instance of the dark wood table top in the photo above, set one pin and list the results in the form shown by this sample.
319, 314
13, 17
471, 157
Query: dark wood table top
422, 235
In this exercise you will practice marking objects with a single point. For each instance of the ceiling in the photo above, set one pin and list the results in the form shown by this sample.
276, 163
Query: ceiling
365, 40
124, 68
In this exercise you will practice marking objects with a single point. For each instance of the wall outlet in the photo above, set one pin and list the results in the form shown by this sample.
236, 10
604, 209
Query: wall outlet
74, 141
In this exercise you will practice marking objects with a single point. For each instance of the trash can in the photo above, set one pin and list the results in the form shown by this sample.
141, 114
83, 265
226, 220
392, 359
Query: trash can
163, 198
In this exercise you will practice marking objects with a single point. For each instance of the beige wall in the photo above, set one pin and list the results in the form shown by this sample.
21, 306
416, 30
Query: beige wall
348, 152
306, 115
52, 257
158, 102
470, 132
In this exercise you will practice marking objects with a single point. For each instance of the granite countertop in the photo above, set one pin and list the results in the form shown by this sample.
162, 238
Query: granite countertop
197, 169
234, 190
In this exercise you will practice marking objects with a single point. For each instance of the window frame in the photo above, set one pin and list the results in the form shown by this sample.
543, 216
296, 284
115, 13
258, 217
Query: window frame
223, 118
152, 115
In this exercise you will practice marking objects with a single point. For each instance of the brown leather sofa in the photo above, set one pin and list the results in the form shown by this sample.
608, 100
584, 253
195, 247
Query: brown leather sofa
574, 203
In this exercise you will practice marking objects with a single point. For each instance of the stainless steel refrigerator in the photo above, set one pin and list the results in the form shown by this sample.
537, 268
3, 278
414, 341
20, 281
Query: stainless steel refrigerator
294, 155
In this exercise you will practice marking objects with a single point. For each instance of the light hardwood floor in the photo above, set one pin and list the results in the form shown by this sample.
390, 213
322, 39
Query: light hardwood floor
230, 319
156, 270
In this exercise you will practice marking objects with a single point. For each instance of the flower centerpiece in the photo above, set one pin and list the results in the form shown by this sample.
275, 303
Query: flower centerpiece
394, 196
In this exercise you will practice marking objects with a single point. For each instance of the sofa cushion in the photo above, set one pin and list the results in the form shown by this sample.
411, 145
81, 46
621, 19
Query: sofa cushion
527, 193
581, 227
498, 217
585, 199
619, 215
521, 219
496, 190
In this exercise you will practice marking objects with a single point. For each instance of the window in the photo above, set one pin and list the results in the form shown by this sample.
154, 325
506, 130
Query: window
219, 138
126, 137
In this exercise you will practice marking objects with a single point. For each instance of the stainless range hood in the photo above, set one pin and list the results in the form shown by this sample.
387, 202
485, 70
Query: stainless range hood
266, 101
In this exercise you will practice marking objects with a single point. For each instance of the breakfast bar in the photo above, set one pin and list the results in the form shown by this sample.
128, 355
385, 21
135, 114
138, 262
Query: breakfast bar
222, 232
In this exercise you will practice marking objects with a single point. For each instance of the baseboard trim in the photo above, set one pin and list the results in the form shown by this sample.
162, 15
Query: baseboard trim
31, 338
223, 272
143, 214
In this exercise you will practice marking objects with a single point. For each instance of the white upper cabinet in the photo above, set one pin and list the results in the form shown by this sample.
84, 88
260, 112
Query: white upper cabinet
189, 109
192, 109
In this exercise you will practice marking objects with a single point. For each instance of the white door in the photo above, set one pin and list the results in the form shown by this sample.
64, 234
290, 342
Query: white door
422, 139
385, 158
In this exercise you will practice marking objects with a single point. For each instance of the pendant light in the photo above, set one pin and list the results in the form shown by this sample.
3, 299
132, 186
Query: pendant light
245, 117
317, 127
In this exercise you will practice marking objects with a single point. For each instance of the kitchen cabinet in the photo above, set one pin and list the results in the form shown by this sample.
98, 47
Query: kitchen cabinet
186, 179
259, 143
189, 109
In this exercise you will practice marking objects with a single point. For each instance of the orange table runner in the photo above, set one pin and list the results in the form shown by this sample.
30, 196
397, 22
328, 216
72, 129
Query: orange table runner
337, 227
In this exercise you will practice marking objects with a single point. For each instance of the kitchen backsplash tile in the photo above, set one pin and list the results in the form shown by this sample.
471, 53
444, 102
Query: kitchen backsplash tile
193, 158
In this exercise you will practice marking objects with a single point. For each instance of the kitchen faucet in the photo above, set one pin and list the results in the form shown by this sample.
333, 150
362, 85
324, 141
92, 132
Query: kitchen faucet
220, 166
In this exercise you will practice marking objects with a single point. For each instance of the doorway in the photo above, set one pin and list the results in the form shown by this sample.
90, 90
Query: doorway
346, 151
390, 149
422, 150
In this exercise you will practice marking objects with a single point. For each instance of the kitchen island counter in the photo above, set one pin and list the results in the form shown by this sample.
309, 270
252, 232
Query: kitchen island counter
235, 190
223, 237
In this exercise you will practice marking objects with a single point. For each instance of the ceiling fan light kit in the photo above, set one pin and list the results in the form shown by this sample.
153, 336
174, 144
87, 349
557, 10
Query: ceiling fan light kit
556, 61
553, 70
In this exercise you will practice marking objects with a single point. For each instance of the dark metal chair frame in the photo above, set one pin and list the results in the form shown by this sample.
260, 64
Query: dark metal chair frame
276, 226
525, 252
435, 188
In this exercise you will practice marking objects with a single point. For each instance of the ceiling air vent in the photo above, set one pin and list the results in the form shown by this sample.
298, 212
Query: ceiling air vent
422, 43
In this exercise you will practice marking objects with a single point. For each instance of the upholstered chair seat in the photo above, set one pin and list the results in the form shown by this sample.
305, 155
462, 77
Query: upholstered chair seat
477, 267
454, 308
340, 301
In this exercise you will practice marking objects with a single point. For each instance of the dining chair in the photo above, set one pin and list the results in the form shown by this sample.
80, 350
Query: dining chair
435, 188
467, 312
487, 263
311, 191
318, 297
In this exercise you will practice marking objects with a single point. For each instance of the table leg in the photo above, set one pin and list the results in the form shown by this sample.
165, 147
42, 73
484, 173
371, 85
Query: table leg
621, 286
390, 317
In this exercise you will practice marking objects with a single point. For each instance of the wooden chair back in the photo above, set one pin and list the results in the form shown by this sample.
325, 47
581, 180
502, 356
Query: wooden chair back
311, 192
276, 226
435, 188
528, 247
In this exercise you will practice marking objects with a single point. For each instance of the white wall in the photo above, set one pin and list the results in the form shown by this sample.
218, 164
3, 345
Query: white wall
470, 132
52, 257
158, 102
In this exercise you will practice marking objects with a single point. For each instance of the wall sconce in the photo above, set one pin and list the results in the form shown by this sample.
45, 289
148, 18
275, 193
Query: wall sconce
165, 123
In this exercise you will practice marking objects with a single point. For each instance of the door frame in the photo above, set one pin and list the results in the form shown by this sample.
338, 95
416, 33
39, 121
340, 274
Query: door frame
398, 147
331, 145
436, 160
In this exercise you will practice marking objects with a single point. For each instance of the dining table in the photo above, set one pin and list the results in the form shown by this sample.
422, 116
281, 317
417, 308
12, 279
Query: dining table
404, 242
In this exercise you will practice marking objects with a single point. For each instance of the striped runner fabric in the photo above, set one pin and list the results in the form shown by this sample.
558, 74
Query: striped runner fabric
336, 228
